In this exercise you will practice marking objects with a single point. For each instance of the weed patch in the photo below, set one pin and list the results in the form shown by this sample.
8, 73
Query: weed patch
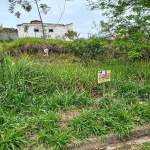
33, 94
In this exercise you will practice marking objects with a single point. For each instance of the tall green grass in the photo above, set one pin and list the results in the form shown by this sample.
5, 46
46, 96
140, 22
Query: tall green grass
111, 116
33, 93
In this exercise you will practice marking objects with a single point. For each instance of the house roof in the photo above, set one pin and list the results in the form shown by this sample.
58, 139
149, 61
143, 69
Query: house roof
9, 29
39, 22
35, 21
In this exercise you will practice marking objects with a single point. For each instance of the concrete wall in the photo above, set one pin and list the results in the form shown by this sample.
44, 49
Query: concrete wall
8, 35
58, 30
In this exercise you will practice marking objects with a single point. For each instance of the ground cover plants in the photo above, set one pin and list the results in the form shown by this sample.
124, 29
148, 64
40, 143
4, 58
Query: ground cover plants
92, 48
38, 94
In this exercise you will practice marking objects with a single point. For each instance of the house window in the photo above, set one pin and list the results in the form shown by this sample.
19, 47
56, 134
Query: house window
51, 30
36, 30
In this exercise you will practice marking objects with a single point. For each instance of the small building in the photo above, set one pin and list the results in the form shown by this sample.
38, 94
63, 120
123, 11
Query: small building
8, 34
34, 29
10, 29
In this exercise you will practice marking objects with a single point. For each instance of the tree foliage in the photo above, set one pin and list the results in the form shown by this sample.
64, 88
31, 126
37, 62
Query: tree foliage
72, 35
128, 21
123, 13
26, 5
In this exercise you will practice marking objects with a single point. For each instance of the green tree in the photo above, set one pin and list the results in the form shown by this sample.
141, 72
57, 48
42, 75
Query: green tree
122, 13
26, 28
129, 22
72, 35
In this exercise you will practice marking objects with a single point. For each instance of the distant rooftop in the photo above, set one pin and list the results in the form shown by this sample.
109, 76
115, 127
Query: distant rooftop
9, 29
35, 22
39, 22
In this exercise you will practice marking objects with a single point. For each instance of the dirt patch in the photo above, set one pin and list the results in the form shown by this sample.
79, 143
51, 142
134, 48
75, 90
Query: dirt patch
113, 142
129, 145
67, 115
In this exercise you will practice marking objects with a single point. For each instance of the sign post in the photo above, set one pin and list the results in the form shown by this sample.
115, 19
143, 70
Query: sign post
104, 76
45, 52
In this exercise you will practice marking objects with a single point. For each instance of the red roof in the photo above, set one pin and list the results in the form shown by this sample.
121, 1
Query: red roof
9, 29
35, 21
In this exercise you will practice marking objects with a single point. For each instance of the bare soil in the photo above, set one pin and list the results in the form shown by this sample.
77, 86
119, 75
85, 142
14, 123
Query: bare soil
113, 142
133, 144
67, 115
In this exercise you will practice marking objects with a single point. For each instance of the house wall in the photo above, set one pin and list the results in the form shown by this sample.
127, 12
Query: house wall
58, 30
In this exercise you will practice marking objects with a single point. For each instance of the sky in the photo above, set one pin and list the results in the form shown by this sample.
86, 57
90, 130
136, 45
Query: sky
76, 12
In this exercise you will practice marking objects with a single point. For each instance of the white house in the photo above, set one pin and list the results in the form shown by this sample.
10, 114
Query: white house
34, 29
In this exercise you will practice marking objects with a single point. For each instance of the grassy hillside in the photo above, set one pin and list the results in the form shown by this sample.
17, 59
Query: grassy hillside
54, 101
102, 49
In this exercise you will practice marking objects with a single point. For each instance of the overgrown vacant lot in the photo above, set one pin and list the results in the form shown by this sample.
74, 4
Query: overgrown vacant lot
55, 101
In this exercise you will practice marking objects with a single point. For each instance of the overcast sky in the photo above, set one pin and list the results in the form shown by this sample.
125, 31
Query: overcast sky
75, 12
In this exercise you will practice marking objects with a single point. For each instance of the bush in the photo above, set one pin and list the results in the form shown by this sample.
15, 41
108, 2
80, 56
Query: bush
34, 45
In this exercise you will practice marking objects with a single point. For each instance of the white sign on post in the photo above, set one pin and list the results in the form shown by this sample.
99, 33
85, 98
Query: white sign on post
45, 52
104, 76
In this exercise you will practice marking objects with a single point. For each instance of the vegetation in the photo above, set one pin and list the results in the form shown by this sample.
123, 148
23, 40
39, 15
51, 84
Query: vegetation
93, 48
37, 96
53, 101
123, 14
127, 23
27, 6
146, 146
72, 35
34, 46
